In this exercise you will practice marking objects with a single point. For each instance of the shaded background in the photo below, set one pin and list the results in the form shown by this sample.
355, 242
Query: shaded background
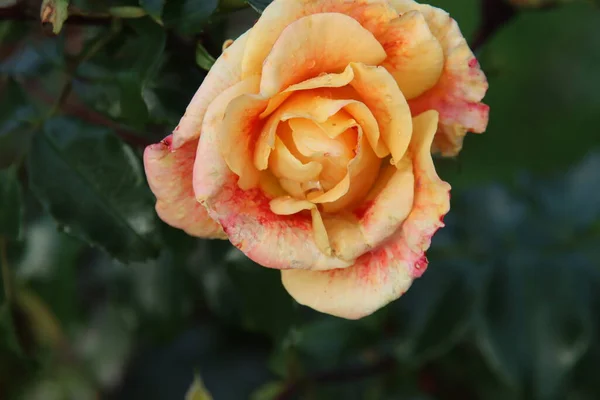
100, 300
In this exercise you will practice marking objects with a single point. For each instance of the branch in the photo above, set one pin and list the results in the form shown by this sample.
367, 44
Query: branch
494, 15
20, 13
338, 376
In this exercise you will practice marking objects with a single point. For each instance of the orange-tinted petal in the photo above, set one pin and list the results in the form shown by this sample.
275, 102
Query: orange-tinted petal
457, 95
298, 53
238, 132
415, 57
385, 273
169, 175
313, 105
225, 73
373, 15
210, 168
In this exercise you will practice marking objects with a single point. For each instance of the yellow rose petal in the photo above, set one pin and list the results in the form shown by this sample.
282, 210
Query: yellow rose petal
284, 165
380, 93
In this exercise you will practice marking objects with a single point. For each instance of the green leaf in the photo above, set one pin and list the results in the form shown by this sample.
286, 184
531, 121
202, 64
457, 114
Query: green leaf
265, 305
94, 186
127, 12
54, 12
113, 82
11, 209
203, 58
232, 4
536, 322
153, 7
434, 314
17, 116
197, 391
242, 292
188, 16
259, 5
543, 74
268, 391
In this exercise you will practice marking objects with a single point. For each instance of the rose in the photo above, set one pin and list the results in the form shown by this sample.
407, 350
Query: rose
308, 146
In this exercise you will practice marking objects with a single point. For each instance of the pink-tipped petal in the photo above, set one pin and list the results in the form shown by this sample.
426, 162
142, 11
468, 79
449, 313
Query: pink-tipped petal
272, 240
458, 93
169, 176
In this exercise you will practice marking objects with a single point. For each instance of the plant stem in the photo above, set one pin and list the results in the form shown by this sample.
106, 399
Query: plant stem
6, 276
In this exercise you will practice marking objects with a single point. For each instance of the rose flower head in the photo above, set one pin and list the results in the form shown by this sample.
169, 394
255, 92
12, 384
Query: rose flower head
309, 144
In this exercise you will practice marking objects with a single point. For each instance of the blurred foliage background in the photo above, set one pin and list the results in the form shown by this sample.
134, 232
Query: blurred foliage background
100, 300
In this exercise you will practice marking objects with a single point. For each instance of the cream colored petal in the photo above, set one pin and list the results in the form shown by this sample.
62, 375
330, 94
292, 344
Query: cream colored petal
458, 93
306, 104
371, 14
381, 94
169, 175
312, 141
385, 273
338, 123
298, 53
361, 174
287, 206
415, 57
225, 73
284, 165
293, 188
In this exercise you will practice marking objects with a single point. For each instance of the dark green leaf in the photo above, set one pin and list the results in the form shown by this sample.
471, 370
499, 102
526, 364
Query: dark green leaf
232, 365
188, 16
543, 96
268, 391
259, 5
114, 80
203, 57
17, 116
232, 4
535, 322
434, 314
153, 7
11, 209
94, 186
